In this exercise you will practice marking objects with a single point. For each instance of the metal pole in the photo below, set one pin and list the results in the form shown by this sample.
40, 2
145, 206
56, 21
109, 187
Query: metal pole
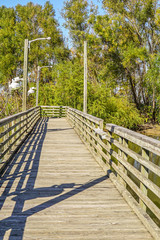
25, 75
37, 92
85, 79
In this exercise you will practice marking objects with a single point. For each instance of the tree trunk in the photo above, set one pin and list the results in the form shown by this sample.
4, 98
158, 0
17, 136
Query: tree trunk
154, 105
133, 89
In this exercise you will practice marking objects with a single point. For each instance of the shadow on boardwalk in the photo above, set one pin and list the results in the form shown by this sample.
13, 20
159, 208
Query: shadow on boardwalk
30, 154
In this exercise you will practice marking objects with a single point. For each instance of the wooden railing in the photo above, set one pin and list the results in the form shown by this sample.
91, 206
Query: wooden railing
13, 131
53, 111
82, 120
132, 170
127, 156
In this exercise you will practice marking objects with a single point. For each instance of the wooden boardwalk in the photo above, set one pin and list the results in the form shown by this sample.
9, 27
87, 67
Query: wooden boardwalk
54, 189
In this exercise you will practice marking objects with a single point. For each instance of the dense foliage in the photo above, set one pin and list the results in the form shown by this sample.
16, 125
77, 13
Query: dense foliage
123, 59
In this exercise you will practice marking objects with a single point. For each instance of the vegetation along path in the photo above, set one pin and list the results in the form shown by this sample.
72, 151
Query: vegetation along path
54, 189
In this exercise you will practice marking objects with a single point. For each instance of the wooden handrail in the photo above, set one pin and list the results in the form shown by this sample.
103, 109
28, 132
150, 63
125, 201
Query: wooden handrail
15, 116
13, 131
141, 140
93, 121
148, 145
53, 111
110, 148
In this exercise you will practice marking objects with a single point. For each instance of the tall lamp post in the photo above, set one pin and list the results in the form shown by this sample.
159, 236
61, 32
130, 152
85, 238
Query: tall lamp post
38, 77
85, 79
25, 69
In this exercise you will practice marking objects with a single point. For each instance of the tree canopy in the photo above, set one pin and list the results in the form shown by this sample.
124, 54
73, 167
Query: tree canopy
123, 56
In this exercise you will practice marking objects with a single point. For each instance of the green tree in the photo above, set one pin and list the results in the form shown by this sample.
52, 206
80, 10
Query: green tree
69, 83
153, 82
8, 62
30, 21
76, 14
35, 21
129, 33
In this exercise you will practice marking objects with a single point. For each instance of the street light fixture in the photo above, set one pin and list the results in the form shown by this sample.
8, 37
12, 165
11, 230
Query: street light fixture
85, 79
38, 77
37, 39
25, 69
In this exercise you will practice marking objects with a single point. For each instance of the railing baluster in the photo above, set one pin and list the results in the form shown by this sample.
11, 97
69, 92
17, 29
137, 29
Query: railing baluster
15, 130
144, 171
122, 154
5, 137
119, 163
12, 132
90, 129
109, 145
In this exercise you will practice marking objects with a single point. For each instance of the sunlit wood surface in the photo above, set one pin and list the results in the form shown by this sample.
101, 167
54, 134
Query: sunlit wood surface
54, 189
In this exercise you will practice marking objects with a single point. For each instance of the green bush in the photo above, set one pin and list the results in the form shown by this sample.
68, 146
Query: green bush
125, 114
113, 109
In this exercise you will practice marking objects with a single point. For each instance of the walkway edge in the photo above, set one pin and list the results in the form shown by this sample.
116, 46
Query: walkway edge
145, 219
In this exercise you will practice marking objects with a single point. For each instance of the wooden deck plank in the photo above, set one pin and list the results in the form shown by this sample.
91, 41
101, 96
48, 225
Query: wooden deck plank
54, 189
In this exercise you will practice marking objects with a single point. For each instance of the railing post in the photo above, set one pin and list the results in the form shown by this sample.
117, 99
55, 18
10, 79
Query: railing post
67, 112
12, 132
101, 124
53, 112
81, 127
6, 126
20, 125
40, 111
27, 116
93, 142
109, 147
25, 75
99, 147
60, 111
124, 142
74, 121
144, 171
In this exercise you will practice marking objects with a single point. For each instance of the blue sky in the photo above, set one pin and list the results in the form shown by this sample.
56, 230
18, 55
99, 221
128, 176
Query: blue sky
57, 4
